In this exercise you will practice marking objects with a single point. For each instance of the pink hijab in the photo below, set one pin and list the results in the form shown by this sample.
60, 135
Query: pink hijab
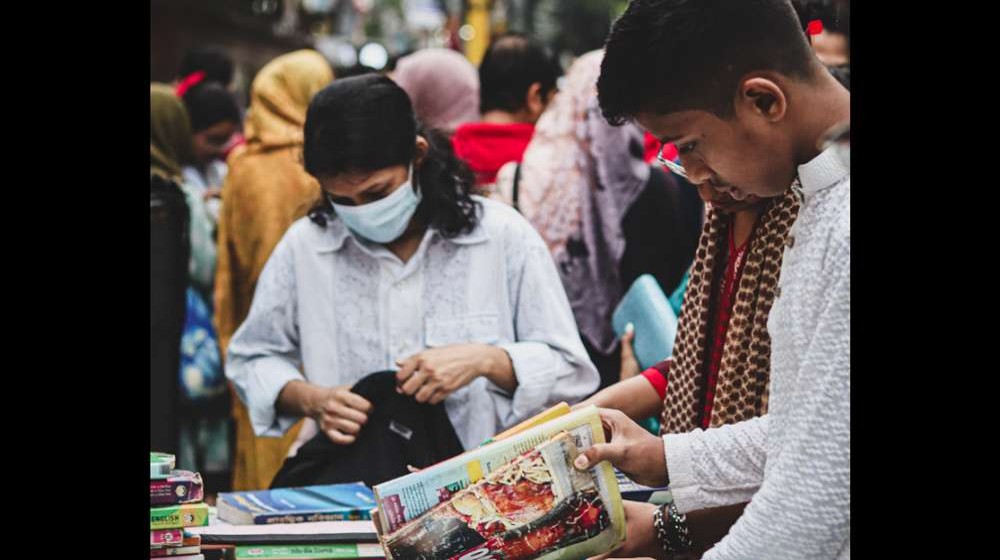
443, 87
579, 177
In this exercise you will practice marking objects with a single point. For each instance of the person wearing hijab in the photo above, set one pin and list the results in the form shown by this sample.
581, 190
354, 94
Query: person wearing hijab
199, 436
443, 87
169, 149
170, 144
265, 191
578, 183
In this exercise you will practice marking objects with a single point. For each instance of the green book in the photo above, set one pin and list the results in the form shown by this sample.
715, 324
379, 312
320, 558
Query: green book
179, 516
309, 552
160, 465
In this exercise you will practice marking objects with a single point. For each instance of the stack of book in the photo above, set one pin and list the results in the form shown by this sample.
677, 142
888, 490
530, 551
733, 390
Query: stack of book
308, 523
516, 497
175, 503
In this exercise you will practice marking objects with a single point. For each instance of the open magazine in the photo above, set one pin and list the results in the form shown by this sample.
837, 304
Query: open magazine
517, 498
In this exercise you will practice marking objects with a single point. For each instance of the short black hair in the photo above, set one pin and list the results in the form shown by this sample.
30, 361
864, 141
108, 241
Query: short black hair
664, 56
510, 65
212, 60
366, 123
209, 103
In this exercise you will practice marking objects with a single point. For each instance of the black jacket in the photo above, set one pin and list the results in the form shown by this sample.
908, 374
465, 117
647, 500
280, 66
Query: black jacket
399, 432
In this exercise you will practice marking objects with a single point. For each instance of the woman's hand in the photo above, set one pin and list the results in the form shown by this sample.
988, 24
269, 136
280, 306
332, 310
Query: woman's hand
629, 364
430, 376
340, 413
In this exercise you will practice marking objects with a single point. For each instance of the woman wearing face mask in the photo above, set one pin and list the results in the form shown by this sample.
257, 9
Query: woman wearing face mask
400, 268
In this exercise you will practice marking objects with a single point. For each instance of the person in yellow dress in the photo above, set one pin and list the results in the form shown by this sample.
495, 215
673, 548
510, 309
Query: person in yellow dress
265, 191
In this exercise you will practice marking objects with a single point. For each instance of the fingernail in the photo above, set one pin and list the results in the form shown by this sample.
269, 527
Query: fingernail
629, 328
581, 462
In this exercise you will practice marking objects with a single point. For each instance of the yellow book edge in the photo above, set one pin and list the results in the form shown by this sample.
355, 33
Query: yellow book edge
548, 414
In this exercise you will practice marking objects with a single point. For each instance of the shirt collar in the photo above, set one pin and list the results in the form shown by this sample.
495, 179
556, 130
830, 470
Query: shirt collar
823, 171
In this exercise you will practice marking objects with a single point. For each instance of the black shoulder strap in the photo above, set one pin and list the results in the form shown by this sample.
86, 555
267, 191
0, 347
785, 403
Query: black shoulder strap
517, 181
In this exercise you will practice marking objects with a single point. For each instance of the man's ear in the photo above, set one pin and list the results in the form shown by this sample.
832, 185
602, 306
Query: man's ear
762, 98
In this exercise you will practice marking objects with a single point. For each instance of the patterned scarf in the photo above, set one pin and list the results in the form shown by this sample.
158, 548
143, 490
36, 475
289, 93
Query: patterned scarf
579, 177
742, 387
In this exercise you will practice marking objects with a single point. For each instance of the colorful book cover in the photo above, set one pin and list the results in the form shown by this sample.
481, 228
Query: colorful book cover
321, 532
179, 516
186, 557
187, 540
168, 552
165, 537
180, 487
536, 507
160, 465
309, 552
403, 499
332, 502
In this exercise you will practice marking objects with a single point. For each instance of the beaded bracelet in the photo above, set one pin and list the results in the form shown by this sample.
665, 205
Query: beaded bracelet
671, 529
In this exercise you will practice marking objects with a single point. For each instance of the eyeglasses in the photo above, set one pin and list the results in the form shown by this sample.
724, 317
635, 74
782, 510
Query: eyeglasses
676, 168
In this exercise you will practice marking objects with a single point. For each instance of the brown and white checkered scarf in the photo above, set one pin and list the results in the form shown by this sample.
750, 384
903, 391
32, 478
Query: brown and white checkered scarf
742, 387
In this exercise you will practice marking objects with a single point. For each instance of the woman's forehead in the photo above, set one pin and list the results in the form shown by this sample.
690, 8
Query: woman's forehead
357, 181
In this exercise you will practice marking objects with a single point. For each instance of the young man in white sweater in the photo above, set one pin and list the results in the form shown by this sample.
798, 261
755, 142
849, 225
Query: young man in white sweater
736, 87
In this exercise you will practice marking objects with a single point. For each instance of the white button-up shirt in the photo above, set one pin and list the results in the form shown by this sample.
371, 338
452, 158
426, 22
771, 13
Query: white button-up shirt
794, 462
331, 308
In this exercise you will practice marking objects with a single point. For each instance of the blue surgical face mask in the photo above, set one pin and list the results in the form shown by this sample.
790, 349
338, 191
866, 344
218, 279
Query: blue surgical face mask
384, 220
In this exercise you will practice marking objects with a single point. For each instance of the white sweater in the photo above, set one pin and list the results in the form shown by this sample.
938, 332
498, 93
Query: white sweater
794, 463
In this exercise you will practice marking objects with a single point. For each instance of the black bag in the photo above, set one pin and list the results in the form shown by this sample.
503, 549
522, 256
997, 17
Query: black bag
399, 432
169, 249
